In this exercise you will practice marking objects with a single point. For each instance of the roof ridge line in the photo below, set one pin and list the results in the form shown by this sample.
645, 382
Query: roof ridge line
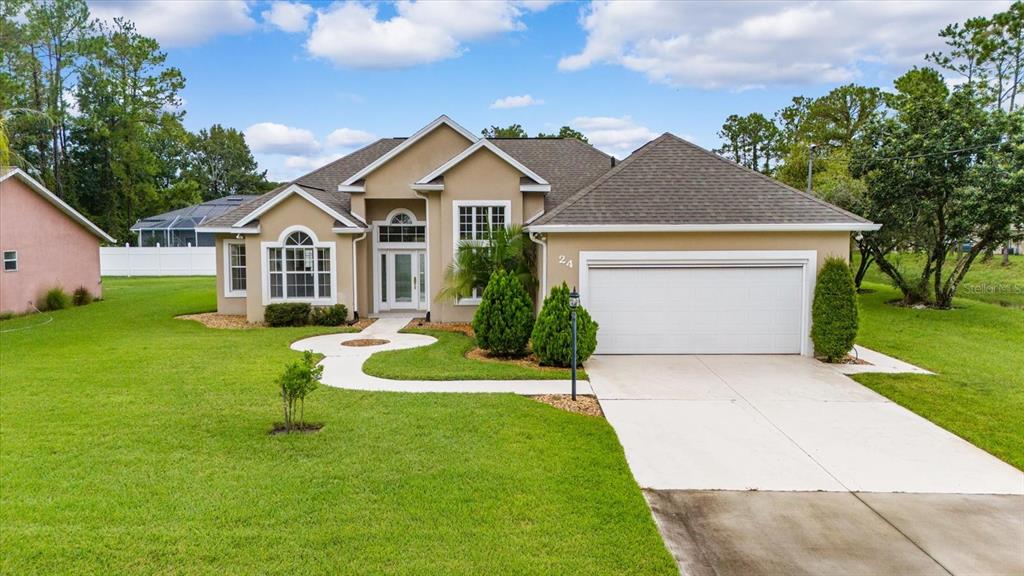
582, 192
812, 197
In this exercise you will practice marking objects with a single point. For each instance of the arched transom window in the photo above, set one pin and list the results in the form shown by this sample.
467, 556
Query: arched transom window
401, 227
300, 269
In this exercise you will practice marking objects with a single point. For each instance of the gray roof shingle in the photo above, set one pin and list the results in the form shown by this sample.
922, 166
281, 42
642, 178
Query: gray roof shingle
566, 163
321, 183
671, 181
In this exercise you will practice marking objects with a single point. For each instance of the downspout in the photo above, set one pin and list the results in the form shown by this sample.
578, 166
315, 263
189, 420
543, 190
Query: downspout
355, 278
426, 211
536, 239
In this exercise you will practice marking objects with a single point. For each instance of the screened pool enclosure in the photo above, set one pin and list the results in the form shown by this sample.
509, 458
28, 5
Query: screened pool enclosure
178, 227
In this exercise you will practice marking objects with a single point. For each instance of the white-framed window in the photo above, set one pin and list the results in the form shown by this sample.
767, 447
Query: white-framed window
299, 268
234, 268
10, 260
473, 222
401, 227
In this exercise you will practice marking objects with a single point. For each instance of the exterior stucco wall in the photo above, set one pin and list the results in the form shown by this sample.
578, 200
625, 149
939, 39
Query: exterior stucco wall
293, 211
564, 248
482, 176
392, 179
53, 250
533, 204
234, 305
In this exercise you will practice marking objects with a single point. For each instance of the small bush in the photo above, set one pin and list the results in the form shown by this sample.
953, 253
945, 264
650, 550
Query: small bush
56, 299
287, 314
335, 315
504, 319
81, 296
298, 380
6, 315
834, 313
552, 334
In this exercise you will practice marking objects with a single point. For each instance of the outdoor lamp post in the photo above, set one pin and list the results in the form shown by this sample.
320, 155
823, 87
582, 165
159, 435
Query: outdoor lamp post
574, 303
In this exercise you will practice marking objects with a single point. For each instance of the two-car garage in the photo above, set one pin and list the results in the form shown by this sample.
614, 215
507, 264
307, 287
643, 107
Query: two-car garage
700, 302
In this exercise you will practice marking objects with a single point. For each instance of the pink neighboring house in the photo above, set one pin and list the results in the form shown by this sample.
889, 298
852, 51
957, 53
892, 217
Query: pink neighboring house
44, 243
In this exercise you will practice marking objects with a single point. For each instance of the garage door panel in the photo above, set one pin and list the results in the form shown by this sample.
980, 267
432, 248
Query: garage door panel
700, 310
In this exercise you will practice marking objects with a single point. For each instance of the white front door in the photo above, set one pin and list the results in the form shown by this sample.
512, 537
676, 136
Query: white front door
402, 280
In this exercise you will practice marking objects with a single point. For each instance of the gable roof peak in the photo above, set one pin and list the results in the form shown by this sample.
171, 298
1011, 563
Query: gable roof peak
442, 120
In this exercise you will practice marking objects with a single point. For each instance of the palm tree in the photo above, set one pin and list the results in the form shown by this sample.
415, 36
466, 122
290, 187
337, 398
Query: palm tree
6, 154
508, 249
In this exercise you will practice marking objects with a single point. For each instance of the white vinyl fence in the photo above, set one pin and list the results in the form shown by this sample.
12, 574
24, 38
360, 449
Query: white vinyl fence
158, 261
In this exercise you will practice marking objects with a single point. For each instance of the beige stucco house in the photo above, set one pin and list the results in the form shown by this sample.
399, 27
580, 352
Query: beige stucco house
44, 243
674, 249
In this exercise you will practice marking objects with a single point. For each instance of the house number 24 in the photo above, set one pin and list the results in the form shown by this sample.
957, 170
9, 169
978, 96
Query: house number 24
564, 261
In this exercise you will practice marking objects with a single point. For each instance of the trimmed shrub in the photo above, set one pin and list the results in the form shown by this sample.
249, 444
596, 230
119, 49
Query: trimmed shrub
55, 299
81, 296
834, 313
335, 315
504, 319
287, 314
552, 334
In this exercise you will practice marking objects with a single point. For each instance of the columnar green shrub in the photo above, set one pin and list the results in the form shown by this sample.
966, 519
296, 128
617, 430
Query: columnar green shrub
298, 380
504, 319
834, 313
81, 296
287, 314
552, 334
335, 315
55, 299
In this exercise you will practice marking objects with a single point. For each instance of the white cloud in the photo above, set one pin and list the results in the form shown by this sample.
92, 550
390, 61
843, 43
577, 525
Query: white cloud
515, 102
303, 164
351, 34
271, 138
616, 136
349, 137
289, 16
753, 44
179, 23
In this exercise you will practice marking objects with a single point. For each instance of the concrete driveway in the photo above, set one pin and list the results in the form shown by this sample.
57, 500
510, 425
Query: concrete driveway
782, 465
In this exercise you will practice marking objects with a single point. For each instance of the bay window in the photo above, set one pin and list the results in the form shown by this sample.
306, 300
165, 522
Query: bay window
300, 269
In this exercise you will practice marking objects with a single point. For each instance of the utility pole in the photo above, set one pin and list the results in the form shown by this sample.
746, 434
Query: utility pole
810, 166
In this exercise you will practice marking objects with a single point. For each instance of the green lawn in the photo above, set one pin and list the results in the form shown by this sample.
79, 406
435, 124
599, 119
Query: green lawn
446, 360
977, 349
986, 281
136, 443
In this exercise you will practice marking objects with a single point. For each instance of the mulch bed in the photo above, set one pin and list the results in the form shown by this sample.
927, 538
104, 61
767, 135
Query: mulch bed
363, 323
307, 428
222, 321
460, 327
850, 359
586, 405
525, 362
359, 342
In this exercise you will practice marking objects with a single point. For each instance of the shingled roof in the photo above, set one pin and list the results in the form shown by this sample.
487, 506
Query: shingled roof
566, 163
670, 181
321, 183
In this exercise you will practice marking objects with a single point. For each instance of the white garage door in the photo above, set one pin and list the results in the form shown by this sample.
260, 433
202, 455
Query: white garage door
697, 310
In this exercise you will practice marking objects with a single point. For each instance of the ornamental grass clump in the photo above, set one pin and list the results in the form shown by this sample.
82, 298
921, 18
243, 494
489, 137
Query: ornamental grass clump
504, 319
55, 299
552, 333
834, 313
298, 380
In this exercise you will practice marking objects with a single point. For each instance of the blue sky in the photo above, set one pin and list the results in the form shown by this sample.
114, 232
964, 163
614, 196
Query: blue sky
310, 81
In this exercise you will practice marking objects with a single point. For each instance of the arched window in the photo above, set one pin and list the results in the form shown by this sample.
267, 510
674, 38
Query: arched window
300, 269
401, 218
401, 228
298, 239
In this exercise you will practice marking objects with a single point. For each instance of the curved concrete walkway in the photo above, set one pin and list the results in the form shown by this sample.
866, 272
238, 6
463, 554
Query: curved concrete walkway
343, 365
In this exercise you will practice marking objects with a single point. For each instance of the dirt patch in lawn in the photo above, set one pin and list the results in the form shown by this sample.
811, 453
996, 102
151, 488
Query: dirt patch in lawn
529, 361
307, 428
460, 327
586, 405
222, 321
360, 342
